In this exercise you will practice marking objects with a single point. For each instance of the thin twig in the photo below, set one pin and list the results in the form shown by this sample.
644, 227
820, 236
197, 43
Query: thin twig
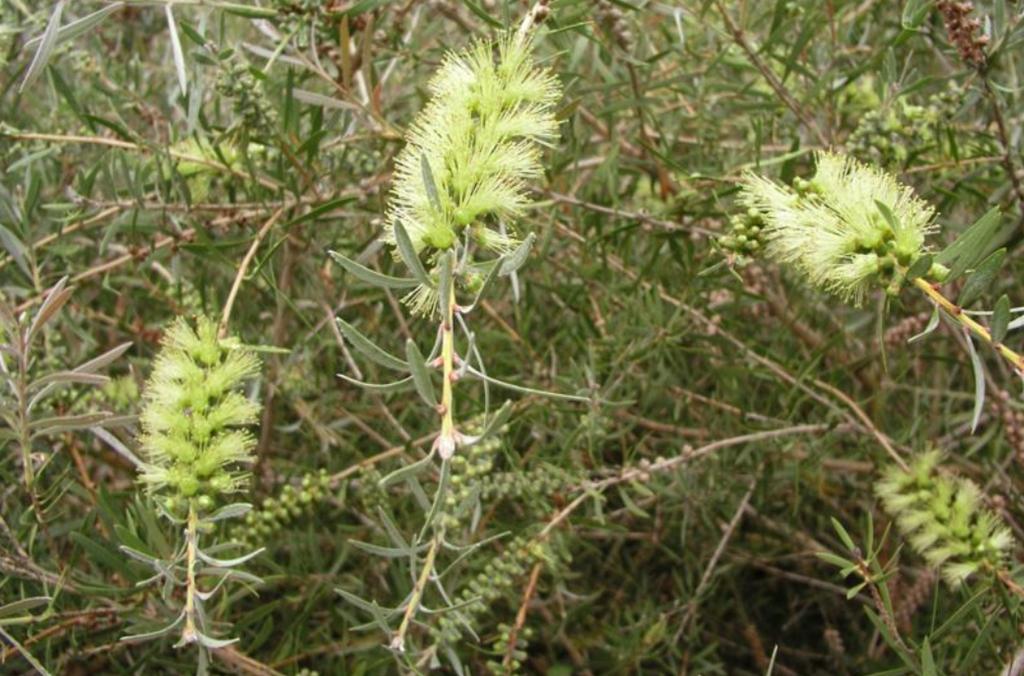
769, 75
513, 634
243, 267
705, 580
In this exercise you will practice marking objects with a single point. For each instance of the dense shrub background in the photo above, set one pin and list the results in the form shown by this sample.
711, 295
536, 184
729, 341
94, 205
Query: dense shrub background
150, 200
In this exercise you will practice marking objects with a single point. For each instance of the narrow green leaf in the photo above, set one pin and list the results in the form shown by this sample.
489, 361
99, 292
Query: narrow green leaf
33, 662
372, 276
914, 13
232, 511
957, 617
408, 253
62, 377
104, 360
981, 279
835, 560
482, 14
368, 606
420, 375
492, 274
157, 633
228, 563
920, 267
494, 424
889, 216
23, 605
391, 528
314, 99
66, 423
933, 323
369, 348
138, 556
318, 211
971, 246
979, 381
176, 51
405, 472
429, 184
439, 497
78, 27
1000, 321
527, 390
214, 643
630, 504
843, 535
515, 260
378, 387
51, 305
16, 248
46, 44
249, 11
385, 552
444, 282
927, 660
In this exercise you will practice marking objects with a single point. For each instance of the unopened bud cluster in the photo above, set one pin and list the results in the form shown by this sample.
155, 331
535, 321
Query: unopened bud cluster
518, 650
896, 135
302, 19
744, 236
277, 512
943, 519
499, 576
469, 467
369, 494
252, 107
533, 488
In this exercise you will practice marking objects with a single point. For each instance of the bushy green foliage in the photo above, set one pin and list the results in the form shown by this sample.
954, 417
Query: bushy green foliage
649, 406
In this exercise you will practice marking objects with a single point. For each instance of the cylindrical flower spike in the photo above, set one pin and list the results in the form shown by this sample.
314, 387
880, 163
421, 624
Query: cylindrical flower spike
472, 151
193, 439
943, 519
476, 141
849, 229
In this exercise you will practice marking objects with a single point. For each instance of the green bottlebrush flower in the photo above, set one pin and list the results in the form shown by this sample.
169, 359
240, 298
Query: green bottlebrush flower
835, 228
943, 519
191, 424
476, 141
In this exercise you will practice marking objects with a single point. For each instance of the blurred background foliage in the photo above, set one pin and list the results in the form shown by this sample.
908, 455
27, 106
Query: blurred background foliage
765, 398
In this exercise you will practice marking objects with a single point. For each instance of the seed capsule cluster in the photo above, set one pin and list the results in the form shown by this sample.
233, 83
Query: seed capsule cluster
964, 31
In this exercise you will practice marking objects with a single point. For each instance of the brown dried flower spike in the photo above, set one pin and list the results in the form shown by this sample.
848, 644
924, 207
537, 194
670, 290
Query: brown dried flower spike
963, 31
